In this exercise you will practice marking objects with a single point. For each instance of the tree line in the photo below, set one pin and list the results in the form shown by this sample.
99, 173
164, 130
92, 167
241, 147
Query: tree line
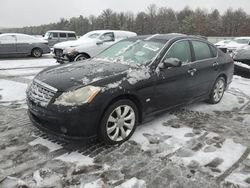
154, 20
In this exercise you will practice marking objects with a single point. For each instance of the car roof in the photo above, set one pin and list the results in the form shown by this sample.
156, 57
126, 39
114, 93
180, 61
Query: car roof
61, 31
18, 34
169, 36
104, 31
248, 38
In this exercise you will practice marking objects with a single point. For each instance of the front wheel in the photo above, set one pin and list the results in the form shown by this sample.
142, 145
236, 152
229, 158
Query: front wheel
80, 57
217, 91
119, 122
37, 52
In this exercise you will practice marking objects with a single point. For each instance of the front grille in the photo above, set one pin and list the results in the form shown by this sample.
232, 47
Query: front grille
41, 93
58, 52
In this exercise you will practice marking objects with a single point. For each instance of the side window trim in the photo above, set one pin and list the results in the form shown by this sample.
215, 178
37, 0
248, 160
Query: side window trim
182, 40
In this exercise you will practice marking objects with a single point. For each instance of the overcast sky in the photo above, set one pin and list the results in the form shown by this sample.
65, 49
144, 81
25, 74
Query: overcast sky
18, 13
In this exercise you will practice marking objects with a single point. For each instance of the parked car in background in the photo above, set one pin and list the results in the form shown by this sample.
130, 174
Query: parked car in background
222, 43
88, 45
234, 44
242, 59
55, 36
107, 96
13, 44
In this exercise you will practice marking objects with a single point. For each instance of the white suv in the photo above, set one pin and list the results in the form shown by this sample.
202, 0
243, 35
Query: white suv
88, 45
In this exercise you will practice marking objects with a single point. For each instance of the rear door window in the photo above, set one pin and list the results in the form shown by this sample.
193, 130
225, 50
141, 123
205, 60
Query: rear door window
62, 35
54, 35
71, 35
201, 50
7, 39
108, 37
181, 51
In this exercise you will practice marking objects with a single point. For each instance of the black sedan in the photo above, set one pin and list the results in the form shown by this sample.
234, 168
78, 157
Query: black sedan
107, 96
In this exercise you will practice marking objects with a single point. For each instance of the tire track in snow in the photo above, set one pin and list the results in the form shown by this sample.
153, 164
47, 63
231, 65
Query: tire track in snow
223, 176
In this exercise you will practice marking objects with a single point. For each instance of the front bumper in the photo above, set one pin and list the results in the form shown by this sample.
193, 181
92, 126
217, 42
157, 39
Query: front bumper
62, 59
76, 123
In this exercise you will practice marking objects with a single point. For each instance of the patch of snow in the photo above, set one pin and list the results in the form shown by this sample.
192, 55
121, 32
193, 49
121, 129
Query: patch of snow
21, 72
242, 65
12, 91
241, 84
133, 183
229, 152
135, 76
6, 64
238, 179
97, 79
95, 184
50, 145
76, 158
29, 77
113, 85
227, 103
85, 80
177, 135
36, 176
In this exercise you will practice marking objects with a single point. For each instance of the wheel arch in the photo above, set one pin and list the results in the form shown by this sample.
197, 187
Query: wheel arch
84, 53
36, 47
224, 76
130, 97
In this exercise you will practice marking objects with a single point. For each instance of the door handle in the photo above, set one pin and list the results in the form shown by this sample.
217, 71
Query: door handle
215, 64
192, 71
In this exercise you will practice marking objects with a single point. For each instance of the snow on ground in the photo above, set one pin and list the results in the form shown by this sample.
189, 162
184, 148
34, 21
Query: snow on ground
27, 62
76, 158
202, 137
133, 183
50, 145
11, 91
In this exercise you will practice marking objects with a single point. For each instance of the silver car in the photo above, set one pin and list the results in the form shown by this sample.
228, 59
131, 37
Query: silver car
13, 44
55, 36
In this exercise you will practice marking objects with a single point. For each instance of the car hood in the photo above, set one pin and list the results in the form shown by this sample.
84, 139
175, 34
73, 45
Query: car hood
74, 43
234, 45
72, 75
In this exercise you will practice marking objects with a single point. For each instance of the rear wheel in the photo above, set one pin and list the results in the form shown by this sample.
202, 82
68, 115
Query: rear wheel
119, 122
37, 52
81, 57
217, 91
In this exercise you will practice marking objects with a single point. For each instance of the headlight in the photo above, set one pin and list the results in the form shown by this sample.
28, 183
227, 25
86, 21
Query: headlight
71, 50
78, 97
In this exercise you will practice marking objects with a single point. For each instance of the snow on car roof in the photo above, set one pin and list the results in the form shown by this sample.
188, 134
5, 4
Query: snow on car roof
104, 31
61, 31
242, 38
19, 34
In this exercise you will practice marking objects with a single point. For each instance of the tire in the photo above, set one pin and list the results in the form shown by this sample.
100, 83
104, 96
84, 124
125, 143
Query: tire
114, 130
37, 52
217, 91
81, 57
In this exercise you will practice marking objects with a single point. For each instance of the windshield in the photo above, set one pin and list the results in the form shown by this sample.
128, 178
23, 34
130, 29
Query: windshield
47, 35
134, 52
242, 41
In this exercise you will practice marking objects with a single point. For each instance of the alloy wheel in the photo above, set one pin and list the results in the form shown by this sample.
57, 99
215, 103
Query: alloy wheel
219, 90
120, 123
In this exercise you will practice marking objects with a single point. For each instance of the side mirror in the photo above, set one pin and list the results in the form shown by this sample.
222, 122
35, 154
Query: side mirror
170, 62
